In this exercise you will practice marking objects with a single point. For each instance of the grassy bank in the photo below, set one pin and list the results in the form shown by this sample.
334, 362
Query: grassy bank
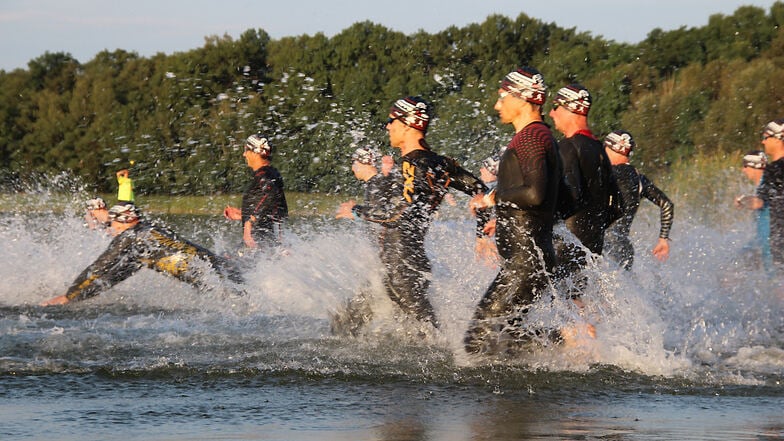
300, 204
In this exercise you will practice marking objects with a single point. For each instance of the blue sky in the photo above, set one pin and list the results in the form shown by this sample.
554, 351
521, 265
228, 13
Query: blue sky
28, 28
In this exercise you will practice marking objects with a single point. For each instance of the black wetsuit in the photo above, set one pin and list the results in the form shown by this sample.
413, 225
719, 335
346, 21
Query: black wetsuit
585, 205
528, 181
633, 187
426, 178
154, 247
265, 200
771, 191
381, 194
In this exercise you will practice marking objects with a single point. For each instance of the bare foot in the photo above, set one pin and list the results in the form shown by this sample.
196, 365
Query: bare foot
59, 300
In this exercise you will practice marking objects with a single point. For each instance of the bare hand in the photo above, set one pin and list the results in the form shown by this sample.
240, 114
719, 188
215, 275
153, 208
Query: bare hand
387, 164
344, 210
486, 251
750, 202
482, 201
486, 176
489, 228
662, 250
232, 213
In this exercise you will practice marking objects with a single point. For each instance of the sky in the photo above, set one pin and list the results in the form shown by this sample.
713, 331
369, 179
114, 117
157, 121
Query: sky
29, 28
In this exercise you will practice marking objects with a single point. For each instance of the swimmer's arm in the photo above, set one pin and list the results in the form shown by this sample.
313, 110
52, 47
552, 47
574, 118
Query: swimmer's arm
113, 266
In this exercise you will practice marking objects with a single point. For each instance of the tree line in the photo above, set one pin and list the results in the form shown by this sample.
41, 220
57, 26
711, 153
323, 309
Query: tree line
182, 118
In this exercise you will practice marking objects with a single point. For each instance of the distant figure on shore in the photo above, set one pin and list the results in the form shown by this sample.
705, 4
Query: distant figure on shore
125, 193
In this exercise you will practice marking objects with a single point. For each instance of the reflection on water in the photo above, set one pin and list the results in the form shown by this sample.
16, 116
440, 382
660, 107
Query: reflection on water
690, 349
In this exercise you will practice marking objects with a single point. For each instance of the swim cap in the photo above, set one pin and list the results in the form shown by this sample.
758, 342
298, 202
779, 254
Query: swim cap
620, 141
95, 204
412, 111
365, 155
123, 213
258, 144
774, 129
755, 159
526, 83
492, 161
574, 97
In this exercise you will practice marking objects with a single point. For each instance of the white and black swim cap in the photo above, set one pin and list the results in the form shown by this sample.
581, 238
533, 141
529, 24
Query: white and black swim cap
258, 144
774, 129
95, 204
620, 141
575, 98
123, 213
412, 111
365, 155
526, 83
755, 159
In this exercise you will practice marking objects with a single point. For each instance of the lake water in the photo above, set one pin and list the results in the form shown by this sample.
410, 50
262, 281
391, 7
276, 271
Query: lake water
691, 349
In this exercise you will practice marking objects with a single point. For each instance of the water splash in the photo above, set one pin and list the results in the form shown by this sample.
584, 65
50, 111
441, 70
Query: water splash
699, 316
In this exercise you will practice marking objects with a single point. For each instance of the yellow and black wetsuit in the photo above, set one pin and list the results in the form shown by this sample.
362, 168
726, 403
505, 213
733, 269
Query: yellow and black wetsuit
528, 180
425, 179
147, 245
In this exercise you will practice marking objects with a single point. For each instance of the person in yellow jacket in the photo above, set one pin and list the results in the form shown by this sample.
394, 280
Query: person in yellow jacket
125, 191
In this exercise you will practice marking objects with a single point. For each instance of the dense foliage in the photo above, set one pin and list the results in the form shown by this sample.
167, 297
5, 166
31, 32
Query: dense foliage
182, 117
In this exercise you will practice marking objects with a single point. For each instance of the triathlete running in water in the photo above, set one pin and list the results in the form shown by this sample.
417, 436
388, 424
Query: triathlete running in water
585, 199
381, 192
529, 173
633, 187
758, 251
264, 206
771, 191
139, 244
425, 179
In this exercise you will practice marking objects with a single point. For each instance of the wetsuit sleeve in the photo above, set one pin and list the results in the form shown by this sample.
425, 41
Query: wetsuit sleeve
571, 187
653, 194
110, 268
464, 181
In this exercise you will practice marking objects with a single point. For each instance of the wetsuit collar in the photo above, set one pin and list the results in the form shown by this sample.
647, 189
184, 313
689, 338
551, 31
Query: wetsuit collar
261, 170
585, 132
